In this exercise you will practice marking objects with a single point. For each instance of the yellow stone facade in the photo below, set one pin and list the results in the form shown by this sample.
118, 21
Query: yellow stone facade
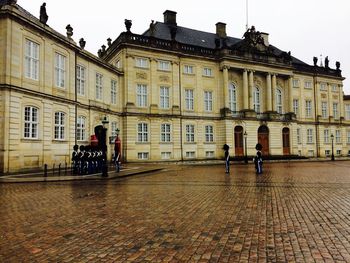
142, 68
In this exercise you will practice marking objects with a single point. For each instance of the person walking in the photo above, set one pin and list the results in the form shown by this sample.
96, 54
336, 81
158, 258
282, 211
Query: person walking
227, 158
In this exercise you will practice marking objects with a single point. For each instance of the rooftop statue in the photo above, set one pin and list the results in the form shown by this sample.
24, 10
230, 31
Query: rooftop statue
43, 15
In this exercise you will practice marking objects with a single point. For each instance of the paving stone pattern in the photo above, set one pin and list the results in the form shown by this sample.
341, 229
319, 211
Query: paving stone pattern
293, 212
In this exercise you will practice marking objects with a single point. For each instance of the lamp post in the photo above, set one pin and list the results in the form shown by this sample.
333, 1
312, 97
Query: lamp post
332, 139
104, 146
245, 147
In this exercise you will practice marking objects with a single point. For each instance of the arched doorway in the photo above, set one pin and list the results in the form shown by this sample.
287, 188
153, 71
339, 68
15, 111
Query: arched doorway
263, 139
238, 141
286, 141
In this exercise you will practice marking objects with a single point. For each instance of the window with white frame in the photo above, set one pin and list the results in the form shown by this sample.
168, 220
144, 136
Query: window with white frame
141, 95
31, 122
99, 86
296, 107
142, 156
279, 101
334, 88
114, 127
188, 69
337, 136
113, 92
165, 155
164, 65
310, 153
347, 111
81, 128
60, 70
327, 153
31, 60
323, 86
256, 98
232, 97
142, 132
308, 85
308, 108
209, 154
348, 136
164, 97
189, 99
326, 136
207, 72
296, 83
324, 107
190, 154
298, 135
309, 134
208, 100
142, 62
59, 125
165, 132
338, 152
335, 110
209, 133
81, 80
189, 133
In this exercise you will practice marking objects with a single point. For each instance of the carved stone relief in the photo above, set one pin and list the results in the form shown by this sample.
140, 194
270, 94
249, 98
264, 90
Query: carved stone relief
164, 78
141, 75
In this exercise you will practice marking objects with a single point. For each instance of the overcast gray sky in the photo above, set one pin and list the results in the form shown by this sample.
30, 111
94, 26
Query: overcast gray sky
307, 28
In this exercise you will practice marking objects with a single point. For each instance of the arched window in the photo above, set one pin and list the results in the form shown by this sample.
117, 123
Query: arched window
256, 98
232, 98
279, 103
81, 128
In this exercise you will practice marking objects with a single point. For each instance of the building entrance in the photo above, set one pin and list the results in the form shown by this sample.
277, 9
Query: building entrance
263, 139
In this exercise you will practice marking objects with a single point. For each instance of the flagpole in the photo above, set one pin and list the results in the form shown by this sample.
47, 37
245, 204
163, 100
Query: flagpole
246, 26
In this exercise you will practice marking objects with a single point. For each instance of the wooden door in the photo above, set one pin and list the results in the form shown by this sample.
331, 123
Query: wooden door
286, 141
263, 139
239, 141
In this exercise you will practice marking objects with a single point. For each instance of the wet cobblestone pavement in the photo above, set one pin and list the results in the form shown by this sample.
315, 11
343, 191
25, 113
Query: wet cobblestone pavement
293, 212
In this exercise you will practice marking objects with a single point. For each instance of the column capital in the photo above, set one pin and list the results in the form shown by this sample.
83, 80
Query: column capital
225, 67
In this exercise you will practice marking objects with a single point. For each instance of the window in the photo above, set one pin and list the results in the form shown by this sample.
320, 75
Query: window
59, 125
335, 110
308, 85
188, 69
337, 136
348, 136
31, 121
296, 107
209, 154
141, 93
298, 136
209, 133
208, 72
232, 99
113, 92
165, 155
279, 101
296, 83
324, 107
309, 136
338, 152
189, 133
311, 153
164, 65
114, 127
257, 100
334, 88
31, 60
308, 108
99, 85
142, 132
190, 154
164, 97
208, 100
60, 71
80, 80
142, 62
327, 153
118, 64
326, 136
81, 128
347, 111
165, 132
323, 86
189, 99
142, 156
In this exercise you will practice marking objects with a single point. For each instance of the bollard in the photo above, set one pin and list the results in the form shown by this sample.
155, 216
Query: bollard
45, 170
59, 169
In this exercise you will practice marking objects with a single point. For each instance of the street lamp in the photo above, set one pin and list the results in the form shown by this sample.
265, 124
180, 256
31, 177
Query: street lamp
245, 147
332, 139
104, 146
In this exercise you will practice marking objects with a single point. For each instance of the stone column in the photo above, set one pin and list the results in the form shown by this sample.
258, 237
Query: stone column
290, 95
245, 90
153, 89
225, 73
250, 89
273, 97
175, 98
269, 92
341, 103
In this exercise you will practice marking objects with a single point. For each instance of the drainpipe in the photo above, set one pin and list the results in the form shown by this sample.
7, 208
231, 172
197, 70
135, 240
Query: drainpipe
75, 98
180, 86
316, 117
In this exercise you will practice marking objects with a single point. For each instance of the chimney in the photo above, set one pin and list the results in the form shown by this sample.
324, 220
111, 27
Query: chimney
265, 36
170, 17
221, 29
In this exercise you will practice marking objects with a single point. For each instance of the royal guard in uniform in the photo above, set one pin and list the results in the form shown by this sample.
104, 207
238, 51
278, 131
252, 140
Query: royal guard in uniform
258, 159
81, 159
75, 159
117, 153
227, 158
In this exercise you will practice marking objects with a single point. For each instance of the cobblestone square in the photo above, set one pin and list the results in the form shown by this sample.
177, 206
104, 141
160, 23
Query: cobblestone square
293, 212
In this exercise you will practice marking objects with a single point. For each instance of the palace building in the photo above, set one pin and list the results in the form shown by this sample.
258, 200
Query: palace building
172, 94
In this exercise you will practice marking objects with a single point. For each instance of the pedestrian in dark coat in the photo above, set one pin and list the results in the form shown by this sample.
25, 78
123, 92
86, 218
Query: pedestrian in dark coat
227, 158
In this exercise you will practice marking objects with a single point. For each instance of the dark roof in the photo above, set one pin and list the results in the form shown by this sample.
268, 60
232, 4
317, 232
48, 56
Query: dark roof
202, 39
